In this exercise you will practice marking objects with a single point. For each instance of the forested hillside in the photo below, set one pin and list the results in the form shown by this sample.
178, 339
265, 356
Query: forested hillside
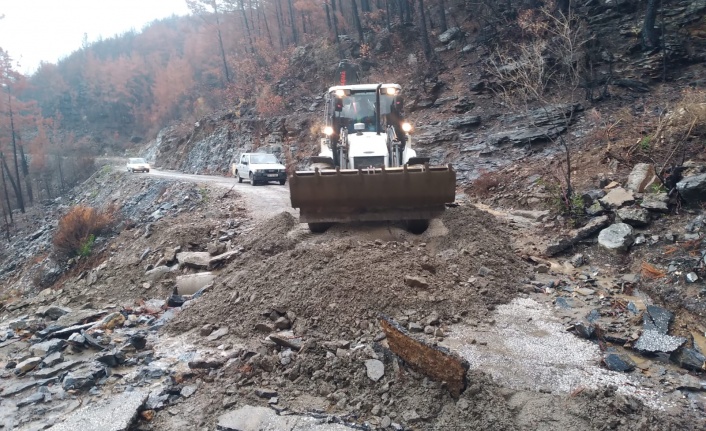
260, 59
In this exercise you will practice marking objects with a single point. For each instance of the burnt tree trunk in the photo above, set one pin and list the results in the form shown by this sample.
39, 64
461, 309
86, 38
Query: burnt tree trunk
247, 26
25, 174
356, 19
18, 186
443, 26
4, 187
650, 36
280, 23
9, 176
423, 30
295, 36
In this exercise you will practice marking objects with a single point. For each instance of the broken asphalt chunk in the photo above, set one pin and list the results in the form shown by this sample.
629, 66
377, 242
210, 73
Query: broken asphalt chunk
657, 319
654, 342
116, 413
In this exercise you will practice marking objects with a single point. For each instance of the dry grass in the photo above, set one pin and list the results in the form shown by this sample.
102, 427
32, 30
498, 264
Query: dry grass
485, 185
77, 228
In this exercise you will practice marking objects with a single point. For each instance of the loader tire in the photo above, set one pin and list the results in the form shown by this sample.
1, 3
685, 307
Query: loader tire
319, 227
417, 227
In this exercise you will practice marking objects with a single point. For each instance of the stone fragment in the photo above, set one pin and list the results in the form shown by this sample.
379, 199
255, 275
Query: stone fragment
593, 226
617, 198
616, 238
45, 348
57, 369
219, 333
641, 177
375, 369
288, 340
53, 311
77, 317
692, 277
116, 413
194, 259
283, 323
265, 393
413, 281
157, 273
249, 418
618, 362
656, 202
188, 391
52, 359
191, 283
637, 217
690, 359
34, 398
85, 377
693, 189
28, 364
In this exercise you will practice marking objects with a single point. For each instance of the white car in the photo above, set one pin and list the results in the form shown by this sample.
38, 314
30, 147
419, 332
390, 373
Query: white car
137, 165
259, 168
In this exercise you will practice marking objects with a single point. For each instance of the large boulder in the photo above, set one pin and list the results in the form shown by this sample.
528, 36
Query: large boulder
617, 237
641, 177
693, 189
637, 217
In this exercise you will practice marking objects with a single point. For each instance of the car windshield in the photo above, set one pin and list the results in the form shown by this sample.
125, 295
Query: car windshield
137, 161
260, 159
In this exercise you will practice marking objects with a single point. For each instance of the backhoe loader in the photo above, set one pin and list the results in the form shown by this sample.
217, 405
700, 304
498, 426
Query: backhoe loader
366, 169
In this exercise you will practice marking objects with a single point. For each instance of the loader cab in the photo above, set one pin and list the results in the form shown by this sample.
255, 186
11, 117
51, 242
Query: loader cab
376, 106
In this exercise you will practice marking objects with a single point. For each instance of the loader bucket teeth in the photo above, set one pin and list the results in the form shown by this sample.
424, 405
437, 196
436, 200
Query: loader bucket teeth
405, 193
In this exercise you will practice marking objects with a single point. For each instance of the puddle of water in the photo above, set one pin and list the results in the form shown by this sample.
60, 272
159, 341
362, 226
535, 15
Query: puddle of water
529, 349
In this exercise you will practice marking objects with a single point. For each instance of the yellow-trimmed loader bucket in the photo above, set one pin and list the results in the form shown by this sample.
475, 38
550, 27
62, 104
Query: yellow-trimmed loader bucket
405, 193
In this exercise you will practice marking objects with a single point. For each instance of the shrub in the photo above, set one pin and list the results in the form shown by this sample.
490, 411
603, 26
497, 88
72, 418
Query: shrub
79, 228
486, 184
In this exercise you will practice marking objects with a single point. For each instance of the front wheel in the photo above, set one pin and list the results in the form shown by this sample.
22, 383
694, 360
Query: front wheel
240, 180
148, 171
319, 227
252, 179
282, 182
417, 227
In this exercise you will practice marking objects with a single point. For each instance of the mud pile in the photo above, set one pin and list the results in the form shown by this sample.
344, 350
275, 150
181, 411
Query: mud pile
323, 294
335, 281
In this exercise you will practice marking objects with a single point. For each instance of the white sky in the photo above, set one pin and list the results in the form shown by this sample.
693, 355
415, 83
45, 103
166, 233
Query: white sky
47, 30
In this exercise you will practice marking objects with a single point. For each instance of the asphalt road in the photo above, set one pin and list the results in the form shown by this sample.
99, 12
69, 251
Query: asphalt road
263, 201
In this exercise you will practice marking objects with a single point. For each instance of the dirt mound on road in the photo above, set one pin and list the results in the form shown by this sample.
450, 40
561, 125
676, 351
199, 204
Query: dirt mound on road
338, 283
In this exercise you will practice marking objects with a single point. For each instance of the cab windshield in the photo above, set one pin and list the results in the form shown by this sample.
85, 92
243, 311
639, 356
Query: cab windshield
261, 159
135, 161
360, 108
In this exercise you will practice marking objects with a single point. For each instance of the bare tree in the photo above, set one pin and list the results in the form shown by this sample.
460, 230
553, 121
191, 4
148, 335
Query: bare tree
554, 59
650, 36
423, 31
198, 7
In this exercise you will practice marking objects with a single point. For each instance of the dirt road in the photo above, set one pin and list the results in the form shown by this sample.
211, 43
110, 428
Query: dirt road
263, 201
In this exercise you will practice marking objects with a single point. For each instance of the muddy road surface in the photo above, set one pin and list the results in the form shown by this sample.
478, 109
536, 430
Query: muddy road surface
262, 200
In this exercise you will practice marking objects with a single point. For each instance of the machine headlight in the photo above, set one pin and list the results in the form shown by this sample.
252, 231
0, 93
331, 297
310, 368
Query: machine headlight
340, 93
406, 127
328, 130
391, 91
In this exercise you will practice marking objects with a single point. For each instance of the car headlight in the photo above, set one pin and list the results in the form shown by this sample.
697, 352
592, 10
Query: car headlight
406, 127
328, 130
